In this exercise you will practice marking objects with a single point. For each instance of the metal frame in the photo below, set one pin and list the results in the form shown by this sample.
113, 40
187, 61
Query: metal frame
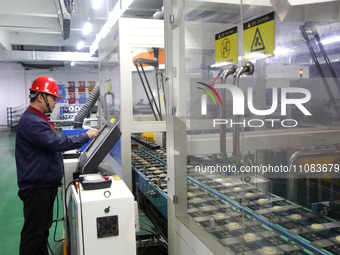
181, 239
130, 34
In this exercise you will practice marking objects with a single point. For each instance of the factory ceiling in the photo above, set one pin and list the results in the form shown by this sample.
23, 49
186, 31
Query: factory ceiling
34, 25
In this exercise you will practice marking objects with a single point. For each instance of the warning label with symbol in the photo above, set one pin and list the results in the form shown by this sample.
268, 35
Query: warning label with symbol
258, 43
226, 46
259, 37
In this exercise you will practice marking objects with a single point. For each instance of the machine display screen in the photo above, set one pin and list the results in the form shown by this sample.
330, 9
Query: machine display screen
100, 147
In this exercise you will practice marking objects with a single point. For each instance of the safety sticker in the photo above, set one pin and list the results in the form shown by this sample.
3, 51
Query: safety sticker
108, 85
116, 177
226, 46
259, 37
258, 43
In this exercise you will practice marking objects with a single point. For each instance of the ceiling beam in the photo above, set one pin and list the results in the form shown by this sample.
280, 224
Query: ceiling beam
28, 8
42, 56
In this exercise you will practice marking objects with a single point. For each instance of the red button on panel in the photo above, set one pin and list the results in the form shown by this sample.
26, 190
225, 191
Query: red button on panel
106, 177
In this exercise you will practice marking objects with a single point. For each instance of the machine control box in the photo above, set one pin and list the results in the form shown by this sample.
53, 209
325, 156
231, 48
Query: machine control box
103, 224
95, 181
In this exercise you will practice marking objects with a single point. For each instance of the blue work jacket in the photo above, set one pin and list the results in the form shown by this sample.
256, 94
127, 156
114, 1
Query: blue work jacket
38, 151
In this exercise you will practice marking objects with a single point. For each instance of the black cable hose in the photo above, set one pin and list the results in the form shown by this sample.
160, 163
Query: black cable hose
55, 228
145, 247
56, 223
144, 229
49, 247
86, 108
153, 220
66, 214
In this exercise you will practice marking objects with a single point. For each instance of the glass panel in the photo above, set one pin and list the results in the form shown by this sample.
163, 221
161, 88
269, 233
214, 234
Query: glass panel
110, 103
148, 96
263, 136
110, 85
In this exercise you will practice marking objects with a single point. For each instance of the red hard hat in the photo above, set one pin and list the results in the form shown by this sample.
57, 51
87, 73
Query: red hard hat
46, 85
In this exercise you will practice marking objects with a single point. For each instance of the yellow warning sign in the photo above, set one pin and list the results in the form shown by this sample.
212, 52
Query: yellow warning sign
108, 85
259, 37
116, 177
226, 46
258, 43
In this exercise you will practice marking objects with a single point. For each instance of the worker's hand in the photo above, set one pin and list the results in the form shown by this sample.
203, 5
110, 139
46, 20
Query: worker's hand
92, 133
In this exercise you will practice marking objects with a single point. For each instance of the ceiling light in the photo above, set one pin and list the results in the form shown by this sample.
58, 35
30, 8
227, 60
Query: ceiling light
111, 20
221, 64
87, 28
283, 51
80, 45
96, 4
330, 40
256, 55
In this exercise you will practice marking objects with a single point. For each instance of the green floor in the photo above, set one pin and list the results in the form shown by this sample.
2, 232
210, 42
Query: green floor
11, 218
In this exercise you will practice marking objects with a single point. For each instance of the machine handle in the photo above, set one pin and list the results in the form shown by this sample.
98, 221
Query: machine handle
247, 69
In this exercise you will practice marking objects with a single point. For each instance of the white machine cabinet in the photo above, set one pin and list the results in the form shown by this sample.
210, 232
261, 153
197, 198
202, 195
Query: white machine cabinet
100, 219
104, 220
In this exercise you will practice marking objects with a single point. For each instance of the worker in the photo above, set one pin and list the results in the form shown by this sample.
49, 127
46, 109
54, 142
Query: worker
39, 160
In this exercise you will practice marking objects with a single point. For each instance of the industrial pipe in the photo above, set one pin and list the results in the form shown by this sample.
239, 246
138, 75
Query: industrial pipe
85, 110
226, 73
106, 111
223, 130
247, 69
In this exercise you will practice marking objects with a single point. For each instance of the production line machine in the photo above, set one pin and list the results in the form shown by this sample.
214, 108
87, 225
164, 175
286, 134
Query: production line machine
100, 211
239, 211
149, 172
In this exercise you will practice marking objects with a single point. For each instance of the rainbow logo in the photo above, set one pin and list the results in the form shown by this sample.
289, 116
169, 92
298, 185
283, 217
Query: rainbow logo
209, 93
204, 97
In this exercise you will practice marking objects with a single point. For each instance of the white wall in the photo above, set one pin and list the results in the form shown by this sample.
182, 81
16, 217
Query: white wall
15, 82
4, 40
12, 88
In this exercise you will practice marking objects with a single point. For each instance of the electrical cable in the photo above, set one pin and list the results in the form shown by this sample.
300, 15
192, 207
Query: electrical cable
55, 228
149, 225
66, 213
144, 229
161, 244
146, 246
151, 215
140, 244
56, 223
142, 247
82, 220
49, 247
